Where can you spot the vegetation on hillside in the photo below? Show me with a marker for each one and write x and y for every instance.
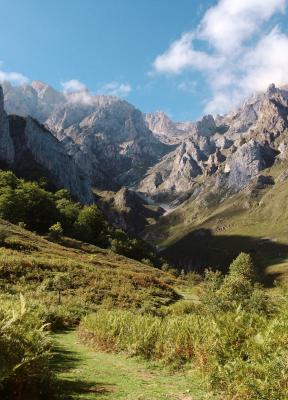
(56, 214)
(233, 334)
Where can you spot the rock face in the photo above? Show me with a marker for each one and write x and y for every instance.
(37, 99)
(177, 171)
(247, 162)
(165, 129)
(31, 151)
(6, 144)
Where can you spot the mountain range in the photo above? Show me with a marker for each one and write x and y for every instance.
(144, 170)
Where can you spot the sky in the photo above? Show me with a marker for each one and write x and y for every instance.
(184, 57)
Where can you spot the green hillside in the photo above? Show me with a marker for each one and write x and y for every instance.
(31, 265)
(198, 235)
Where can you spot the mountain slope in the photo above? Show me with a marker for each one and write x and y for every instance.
(208, 231)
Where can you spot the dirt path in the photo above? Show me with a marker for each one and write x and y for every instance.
(84, 374)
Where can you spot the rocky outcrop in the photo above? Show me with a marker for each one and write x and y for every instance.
(176, 132)
(166, 130)
(206, 126)
(127, 210)
(37, 99)
(262, 116)
(232, 150)
(247, 162)
(176, 171)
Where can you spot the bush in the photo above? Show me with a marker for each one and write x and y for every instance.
(55, 231)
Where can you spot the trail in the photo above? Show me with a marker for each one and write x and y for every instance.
(84, 374)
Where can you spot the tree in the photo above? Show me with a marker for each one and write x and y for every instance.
(68, 213)
(89, 224)
(35, 206)
(243, 266)
(8, 179)
(9, 206)
(238, 285)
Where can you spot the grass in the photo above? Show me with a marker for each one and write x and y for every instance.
(97, 277)
(84, 374)
(211, 232)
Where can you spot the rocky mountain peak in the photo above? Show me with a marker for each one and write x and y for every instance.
(47, 94)
(206, 126)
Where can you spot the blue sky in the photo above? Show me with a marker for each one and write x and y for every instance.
(158, 54)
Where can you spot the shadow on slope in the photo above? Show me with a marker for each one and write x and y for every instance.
(201, 249)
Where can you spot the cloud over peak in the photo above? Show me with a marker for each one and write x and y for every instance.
(13, 77)
(114, 88)
(73, 85)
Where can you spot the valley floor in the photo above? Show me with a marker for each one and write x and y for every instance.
(85, 375)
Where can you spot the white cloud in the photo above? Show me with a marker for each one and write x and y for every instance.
(228, 24)
(73, 86)
(115, 89)
(13, 77)
(182, 55)
(242, 56)
(76, 92)
(80, 97)
(267, 62)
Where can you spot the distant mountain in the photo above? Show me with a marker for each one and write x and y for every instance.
(107, 143)
(106, 136)
(233, 149)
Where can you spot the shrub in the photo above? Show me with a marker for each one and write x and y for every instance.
(193, 278)
(55, 231)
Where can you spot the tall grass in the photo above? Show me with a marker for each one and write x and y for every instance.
(244, 354)
(24, 353)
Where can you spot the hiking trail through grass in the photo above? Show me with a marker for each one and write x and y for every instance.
(85, 374)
